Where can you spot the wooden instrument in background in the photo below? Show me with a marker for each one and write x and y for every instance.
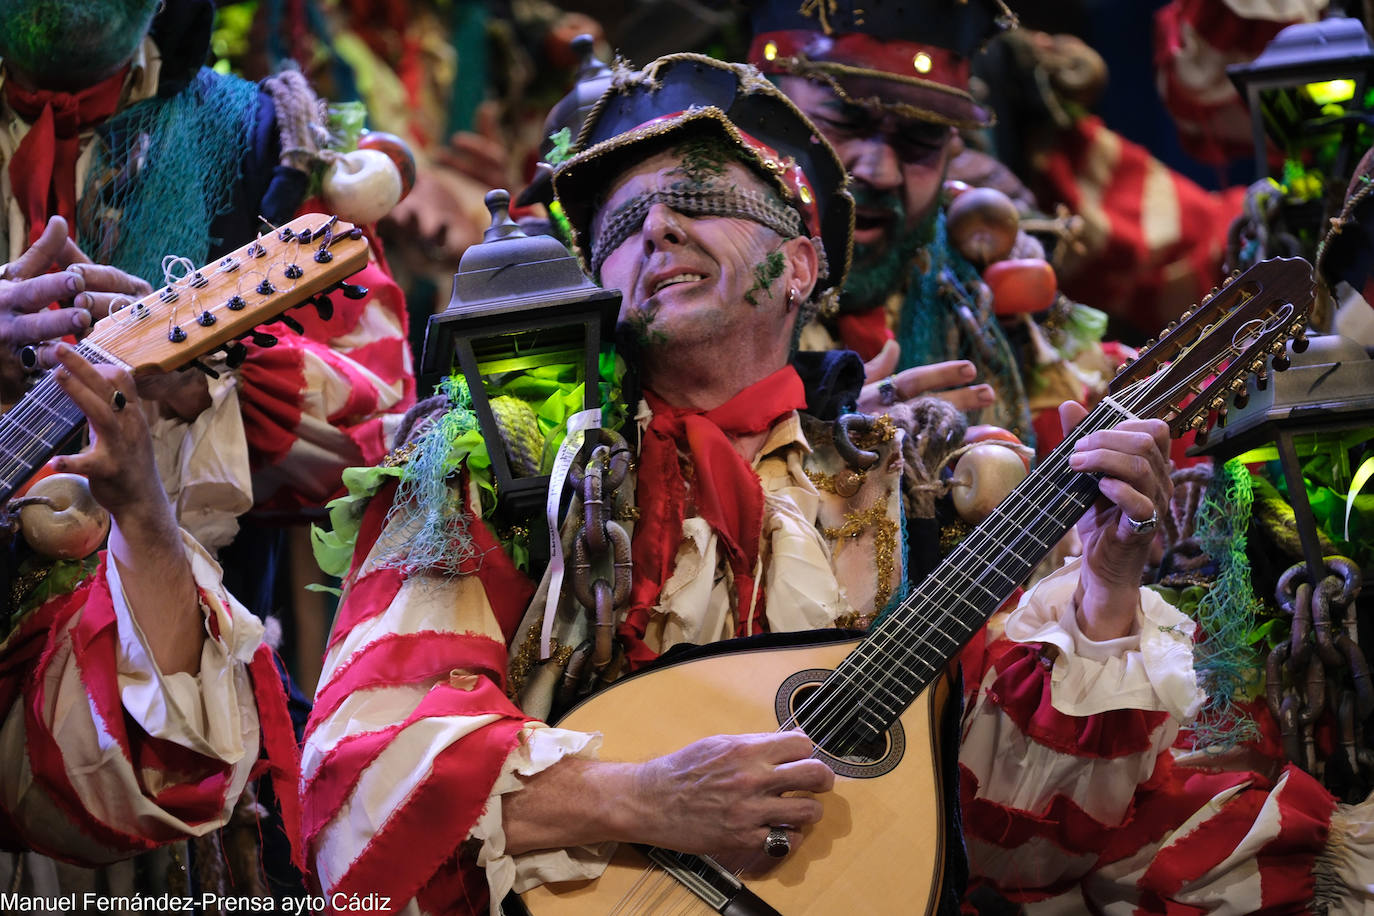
(199, 311)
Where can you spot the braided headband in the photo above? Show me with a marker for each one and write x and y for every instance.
(764, 209)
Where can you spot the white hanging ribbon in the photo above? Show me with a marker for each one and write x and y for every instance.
(578, 424)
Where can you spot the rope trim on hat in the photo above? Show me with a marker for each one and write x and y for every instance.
(828, 72)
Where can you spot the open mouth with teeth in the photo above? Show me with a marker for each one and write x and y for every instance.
(674, 280)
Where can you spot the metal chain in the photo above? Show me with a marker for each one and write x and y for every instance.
(1321, 667)
(600, 572)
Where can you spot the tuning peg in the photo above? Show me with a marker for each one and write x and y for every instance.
(1281, 362)
(261, 338)
(324, 307)
(197, 364)
(1241, 399)
(1221, 417)
(1200, 437)
(1262, 379)
(293, 272)
(291, 323)
(176, 334)
(234, 354)
(1300, 343)
(353, 291)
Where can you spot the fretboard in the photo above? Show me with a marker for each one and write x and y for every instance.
(37, 426)
(909, 648)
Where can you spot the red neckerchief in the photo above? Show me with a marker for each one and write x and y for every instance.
(726, 491)
(43, 169)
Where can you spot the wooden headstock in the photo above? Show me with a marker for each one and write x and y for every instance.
(204, 308)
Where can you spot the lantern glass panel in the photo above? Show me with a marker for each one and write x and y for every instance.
(534, 379)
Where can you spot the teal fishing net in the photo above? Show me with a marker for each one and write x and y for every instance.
(943, 318)
(1227, 660)
(427, 527)
(162, 170)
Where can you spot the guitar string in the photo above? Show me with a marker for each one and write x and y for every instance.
(1050, 485)
(824, 716)
(907, 618)
(834, 712)
(1034, 499)
(831, 717)
(57, 409)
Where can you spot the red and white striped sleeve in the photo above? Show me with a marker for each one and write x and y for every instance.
(329, 398)
(413, 736)
(107, 756)
(1060, 732)
(1154, 239)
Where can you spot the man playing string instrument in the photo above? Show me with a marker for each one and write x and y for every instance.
(129, 686)
(721, 226)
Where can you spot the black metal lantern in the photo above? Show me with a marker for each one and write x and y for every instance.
(1307, 93)
(1323, 403)
(519, 303)
(1320, 409)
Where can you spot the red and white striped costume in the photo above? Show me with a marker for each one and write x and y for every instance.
(327, 399)
(1182, 832)
(1154, 239)
(105, 756)
(413, 740)
(1195, 41)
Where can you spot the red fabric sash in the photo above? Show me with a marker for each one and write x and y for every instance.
(43, 170)
(726, 491)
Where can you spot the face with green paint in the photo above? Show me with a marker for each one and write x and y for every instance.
(689, 280)
(70, 44)
(897, 168)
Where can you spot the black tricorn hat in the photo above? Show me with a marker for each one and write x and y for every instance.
(592, 78)
(685, 96)
(911, 56)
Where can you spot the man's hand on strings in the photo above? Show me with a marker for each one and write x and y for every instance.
(719, 796)
(118, 461)
(949, 381)
(27, 287)
(1118, 530)
(106, 287)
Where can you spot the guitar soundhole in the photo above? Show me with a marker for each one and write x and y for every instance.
(850, 745)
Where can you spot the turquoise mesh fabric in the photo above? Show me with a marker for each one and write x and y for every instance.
(931, 330)
(1227, 661)
(162, 170)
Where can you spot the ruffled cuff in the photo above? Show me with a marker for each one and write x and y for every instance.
(1342, 871)
(540, 748)
(204, 465)
(1150, 670)
(211, 712)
